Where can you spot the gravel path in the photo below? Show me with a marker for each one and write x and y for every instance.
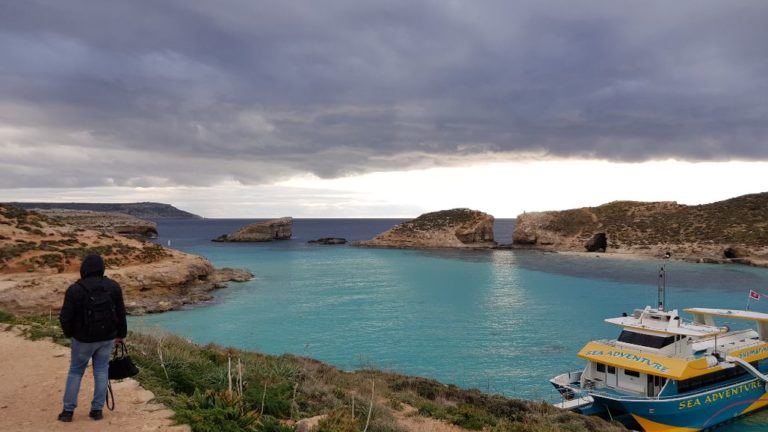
(32, 376)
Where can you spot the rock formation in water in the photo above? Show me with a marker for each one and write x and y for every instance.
(275, 229)
(109, 222)
(40, 257)
(329, 241)
(456, 228)
(734, 230)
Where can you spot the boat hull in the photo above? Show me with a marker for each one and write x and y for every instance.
(693, 412)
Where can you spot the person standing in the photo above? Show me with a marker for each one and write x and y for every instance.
(93, 316)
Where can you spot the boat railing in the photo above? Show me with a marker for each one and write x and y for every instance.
(619, 395)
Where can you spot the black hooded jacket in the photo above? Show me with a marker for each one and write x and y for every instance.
(72, 315)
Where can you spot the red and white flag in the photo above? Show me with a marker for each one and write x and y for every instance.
(754, 295)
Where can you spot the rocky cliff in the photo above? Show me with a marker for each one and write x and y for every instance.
(456, 228)
(109, 222)
(734, 230)
(275, 229)
(40, 257)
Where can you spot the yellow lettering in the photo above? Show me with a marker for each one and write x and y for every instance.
(681, 405)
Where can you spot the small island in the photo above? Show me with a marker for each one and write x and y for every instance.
(456, 228)
(329, 241)
(275, 229)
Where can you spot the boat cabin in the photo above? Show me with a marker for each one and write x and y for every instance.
(656, 347)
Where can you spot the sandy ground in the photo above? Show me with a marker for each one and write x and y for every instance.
(614, 255)
(32, 377)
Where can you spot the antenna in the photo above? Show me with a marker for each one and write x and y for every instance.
(662, 288)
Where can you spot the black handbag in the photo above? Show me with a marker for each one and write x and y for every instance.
(121, 366)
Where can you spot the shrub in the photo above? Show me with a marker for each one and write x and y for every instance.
(339, 420)
(216, 411)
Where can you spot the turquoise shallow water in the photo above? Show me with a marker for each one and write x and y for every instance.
(501, 321)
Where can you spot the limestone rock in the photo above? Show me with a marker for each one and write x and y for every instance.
(275, 229)
(456, 228)
(598, 243)
(329, 241)
(108, 222)
(735, 252)
(228, 274)
(35, 274)
(308, 424)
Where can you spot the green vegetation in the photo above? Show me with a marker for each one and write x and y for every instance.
(193, 381)
(8, 252)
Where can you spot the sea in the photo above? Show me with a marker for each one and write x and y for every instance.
(502, 321)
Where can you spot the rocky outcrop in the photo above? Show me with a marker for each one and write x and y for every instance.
(736, 252)
(108, 222)
(329, 241)
(734, 230)
(457, 228)
(598, 243)
(40, 257)
(276, 229)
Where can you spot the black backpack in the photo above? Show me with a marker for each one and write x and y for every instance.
(100, 316)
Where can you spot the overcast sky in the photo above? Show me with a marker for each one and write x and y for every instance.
(323, 108)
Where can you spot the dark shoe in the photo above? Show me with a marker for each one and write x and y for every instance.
(96, 414)
(66, 416)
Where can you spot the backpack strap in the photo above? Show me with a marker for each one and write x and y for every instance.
(110, 394)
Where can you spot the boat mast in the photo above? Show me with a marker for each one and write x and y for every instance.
(662, 288)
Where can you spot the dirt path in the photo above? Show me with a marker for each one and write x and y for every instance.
(408, 419)
(32, 376)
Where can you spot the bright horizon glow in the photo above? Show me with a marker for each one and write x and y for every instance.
(502, 189)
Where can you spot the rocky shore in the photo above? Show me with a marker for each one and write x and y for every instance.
(40, 258)
(456, 228)
(730, 231)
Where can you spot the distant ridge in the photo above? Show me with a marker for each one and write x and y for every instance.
(143, 210)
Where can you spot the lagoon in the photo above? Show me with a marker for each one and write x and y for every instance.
(504, 321)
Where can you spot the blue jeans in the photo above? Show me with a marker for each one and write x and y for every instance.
(81, 353)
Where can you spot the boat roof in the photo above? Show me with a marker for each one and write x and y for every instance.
(730, 313)
(608, 352)
(684, 329)
(666, 323)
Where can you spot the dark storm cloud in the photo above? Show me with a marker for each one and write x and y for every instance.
(181, 92)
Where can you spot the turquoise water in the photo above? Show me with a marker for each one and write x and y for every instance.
(502, 321)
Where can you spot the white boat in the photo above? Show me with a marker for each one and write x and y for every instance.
(665, 373)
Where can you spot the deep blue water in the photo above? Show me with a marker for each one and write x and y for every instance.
(502, 321)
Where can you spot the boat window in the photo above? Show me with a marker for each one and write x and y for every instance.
(631, 373)
(645, 340)
(600, 367)
(611, 370)
(692, 384)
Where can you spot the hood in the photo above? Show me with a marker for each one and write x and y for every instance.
(92, 265)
